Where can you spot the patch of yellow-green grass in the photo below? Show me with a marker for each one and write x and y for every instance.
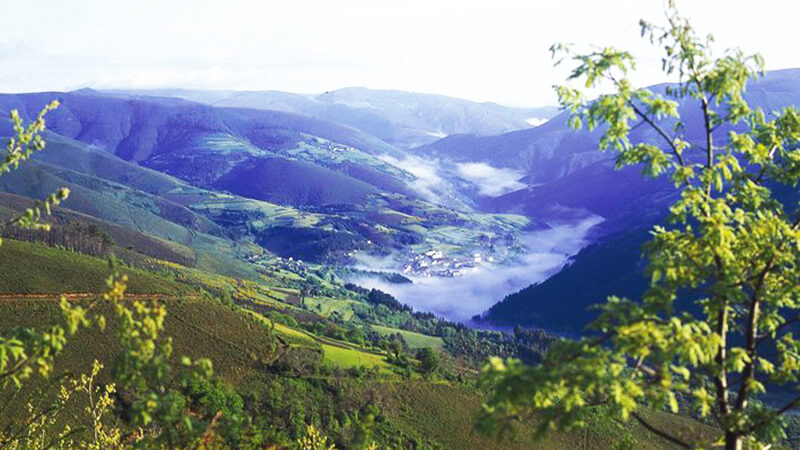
(414, 340)
(288, 290)
(327, 306)
(348, 358)
(295, 334)
(270, 303)
(278, 275)
(336, 354)
(290, 275)
(276, 293)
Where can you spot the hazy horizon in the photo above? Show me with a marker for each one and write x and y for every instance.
(496, 53)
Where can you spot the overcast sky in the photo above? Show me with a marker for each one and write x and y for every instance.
(487, 51)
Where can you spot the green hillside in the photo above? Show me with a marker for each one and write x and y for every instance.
(273, 365)
(126, 241)
(200, 327)
(31, 268)
(447, 413)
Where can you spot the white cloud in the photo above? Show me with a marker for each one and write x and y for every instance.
(491, 181)
(536, 121)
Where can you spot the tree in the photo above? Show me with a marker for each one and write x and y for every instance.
(428, 360)
(716, 325)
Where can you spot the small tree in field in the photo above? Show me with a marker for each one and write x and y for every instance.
(716, 325)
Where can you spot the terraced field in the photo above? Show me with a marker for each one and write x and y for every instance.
(336, 353)
(414, 340)
(349, 358)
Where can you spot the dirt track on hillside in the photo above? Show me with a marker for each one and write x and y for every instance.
(88, 295)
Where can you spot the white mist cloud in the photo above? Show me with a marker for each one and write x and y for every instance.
(368, 262)
(428, 183)
(461, 298)
(491, 181)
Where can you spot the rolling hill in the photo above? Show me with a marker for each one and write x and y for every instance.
(221, 181)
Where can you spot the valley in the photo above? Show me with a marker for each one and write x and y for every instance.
(222, 188)
(363, 225)
(462, 289)
(308, 255)
(247, 186)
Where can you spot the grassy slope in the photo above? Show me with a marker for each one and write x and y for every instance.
(239, 346)
(13, 205)
(108, 200)
(348, 357)
(236, 344)
(80, 157)
(337, 354)
(447, 414)
(30, 268)
(200, 328)
(414, 340)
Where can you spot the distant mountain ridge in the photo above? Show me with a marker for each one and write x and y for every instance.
(404, 119)
(565, 169)
(192, 141)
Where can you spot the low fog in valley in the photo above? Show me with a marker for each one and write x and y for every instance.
(462, 297)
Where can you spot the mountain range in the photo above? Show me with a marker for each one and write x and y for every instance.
(403, 119)
(432, 184)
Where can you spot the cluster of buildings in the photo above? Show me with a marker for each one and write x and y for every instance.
(278, 263)
(433, 263)
(290, 264)
(332, 146)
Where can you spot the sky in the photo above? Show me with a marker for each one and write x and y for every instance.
(484, 51)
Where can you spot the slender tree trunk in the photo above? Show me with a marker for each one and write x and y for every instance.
(733, 441)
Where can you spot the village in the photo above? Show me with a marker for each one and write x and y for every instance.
(433, 263)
